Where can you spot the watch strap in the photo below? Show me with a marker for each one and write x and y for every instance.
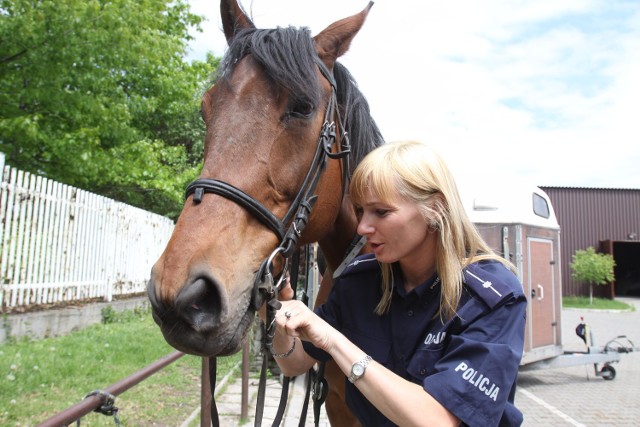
(363, 363)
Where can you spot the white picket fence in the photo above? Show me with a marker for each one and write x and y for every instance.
(59, 243)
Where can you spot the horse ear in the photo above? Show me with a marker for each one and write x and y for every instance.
(334, 40)
(233, 18)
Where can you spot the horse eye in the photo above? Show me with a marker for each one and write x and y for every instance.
(302, 110)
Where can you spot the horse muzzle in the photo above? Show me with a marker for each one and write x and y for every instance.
(202, 319)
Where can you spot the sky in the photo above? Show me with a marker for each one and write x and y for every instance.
(543, 92)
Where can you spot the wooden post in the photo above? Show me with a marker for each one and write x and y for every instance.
(244, 406)
(205, 395)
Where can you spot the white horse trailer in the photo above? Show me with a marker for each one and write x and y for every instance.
(519, 223)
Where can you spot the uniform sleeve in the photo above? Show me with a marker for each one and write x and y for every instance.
(474, 377)
(346, 288)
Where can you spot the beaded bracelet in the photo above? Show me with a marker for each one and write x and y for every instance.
(287, 353)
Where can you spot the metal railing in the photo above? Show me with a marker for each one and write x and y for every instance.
(96, 400)
(104, 398)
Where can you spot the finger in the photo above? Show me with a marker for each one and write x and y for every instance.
(286, 293)
(290, 305)
(291, 327)
(290, 310)
(285, 313)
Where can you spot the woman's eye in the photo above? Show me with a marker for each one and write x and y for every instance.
(382, 212)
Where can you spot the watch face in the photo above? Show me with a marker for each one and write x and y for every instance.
(358, 369)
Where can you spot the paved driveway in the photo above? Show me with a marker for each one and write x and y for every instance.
(571, 396)
(574, 396)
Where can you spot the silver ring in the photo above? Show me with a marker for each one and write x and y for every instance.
(287, 314)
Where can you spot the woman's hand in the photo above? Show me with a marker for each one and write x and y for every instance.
(286, 293)
(295, 319)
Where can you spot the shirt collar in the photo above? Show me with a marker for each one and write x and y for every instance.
(432, 284)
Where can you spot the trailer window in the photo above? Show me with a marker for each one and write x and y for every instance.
(540, 206)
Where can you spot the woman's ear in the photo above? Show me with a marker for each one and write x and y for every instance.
(436, 211)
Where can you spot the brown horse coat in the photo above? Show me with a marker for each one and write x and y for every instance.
(263, 119)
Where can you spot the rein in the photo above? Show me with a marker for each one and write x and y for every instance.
(288, 230)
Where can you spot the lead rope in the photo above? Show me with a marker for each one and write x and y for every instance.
(315, 383)
(319, 384)
(272, 306)
(293, 277)
(305, 299)
(320, 391)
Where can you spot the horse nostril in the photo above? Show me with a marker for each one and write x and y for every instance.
(199, 305)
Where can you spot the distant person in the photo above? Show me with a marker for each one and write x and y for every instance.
(429, 328)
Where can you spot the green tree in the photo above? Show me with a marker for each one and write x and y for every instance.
(97, 94)
(592, 268)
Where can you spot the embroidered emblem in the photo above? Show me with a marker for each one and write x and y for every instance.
(479, 381)
(485, 284)
(435, 338)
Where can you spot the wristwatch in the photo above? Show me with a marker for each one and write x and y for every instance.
(358, 368)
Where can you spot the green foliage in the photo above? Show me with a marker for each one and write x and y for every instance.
(109, 315)
(97, 94)
(591, 267)
(595, 304)
(43, 377)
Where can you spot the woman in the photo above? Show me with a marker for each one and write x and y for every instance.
(429, 329)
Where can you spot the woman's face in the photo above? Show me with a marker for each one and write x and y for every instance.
(395, 231)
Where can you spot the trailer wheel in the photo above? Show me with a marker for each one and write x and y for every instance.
(608, 372)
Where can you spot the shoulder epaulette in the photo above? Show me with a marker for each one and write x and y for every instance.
(361, 263)
(491, 288)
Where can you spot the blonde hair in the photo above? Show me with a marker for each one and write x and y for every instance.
(416, 172)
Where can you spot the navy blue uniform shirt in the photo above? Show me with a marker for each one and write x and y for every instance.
(469, 364)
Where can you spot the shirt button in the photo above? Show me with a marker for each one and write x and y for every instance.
(423, 371)
(410, 313)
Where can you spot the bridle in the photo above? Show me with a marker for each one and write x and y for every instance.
(289, 228)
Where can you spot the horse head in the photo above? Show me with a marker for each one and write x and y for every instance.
(273, 178)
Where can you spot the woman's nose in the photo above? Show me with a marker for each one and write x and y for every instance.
(364, 227)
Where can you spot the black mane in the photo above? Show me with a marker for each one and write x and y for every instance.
(288, 57)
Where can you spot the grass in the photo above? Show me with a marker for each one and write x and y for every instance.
(598, 303)
(39, 378)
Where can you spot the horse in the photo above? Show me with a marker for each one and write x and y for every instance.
(286, 124)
